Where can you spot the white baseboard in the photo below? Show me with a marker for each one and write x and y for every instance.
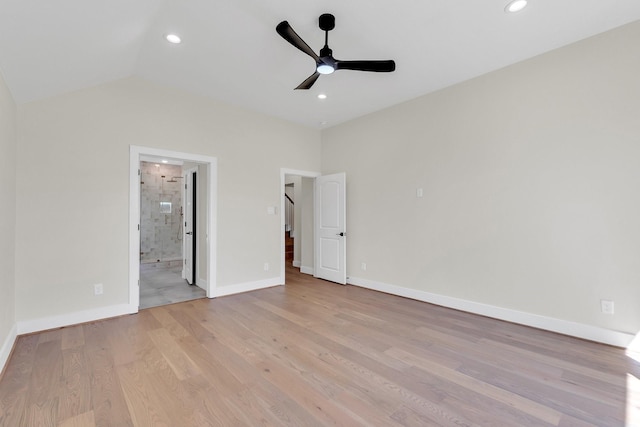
(44, 323)
(578, 330)
(307, 270)
(7, 346)
(296, 263)
(246, 287)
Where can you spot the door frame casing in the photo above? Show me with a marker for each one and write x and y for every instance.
(283, 173)
(135, 153)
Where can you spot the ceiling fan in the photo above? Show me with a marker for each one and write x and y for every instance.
(325, 62)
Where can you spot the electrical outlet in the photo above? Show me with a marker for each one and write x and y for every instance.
(606, 306)
(419, 192)
(266, 266)
(363, 266)
(97, 289)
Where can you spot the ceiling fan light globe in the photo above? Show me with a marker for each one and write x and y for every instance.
(325, 69)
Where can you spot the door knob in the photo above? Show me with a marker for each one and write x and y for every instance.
(189, 233)
(341, 234)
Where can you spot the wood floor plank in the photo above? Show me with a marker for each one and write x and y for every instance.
(145, 407)
(179, 398)
(44, 382)
(409, 417)
(212, 369)
(164, 317)
(181, 313)
(72, 336)
(516, 401)
(180, 362)
(107, 398)
(581, 407)
(15, 381)
(75, 395)
(284, 408)
(85, 419)
(633, 400)
(41, 414)
(313, 353)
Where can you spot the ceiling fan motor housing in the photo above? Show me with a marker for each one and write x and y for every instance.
(327, 22)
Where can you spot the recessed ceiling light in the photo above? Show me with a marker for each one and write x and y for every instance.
(322, 96)
(172, 38)
(515, 6)
(165, 161)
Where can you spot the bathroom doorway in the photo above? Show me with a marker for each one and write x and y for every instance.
(167, 233)
(163, 210)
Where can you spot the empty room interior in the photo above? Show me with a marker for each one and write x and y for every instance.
(372, 213)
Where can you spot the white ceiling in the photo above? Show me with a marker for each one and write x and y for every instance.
(231, 51)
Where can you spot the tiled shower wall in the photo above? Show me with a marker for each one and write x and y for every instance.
(160, 231)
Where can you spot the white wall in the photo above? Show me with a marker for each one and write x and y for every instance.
(7, 220)
(531, 185)
(73, 152)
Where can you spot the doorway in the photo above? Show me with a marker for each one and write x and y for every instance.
(172, 275)
(319, 224)
(167, 247)
(297, 221)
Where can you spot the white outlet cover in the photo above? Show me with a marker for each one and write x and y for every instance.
(607, 306)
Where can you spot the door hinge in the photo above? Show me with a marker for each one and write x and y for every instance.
(139, 172)
(138, 227)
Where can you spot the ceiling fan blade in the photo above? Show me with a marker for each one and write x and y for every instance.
(309, 81)
(287, 33)
(375, 66)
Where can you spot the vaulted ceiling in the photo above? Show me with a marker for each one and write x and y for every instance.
(232, 53)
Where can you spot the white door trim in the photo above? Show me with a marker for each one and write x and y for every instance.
(135, 152)
(283, 173)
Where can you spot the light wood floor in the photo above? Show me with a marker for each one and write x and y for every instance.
(313, 353)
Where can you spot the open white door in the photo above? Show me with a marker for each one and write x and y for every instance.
(189, 226)
(330, 228)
